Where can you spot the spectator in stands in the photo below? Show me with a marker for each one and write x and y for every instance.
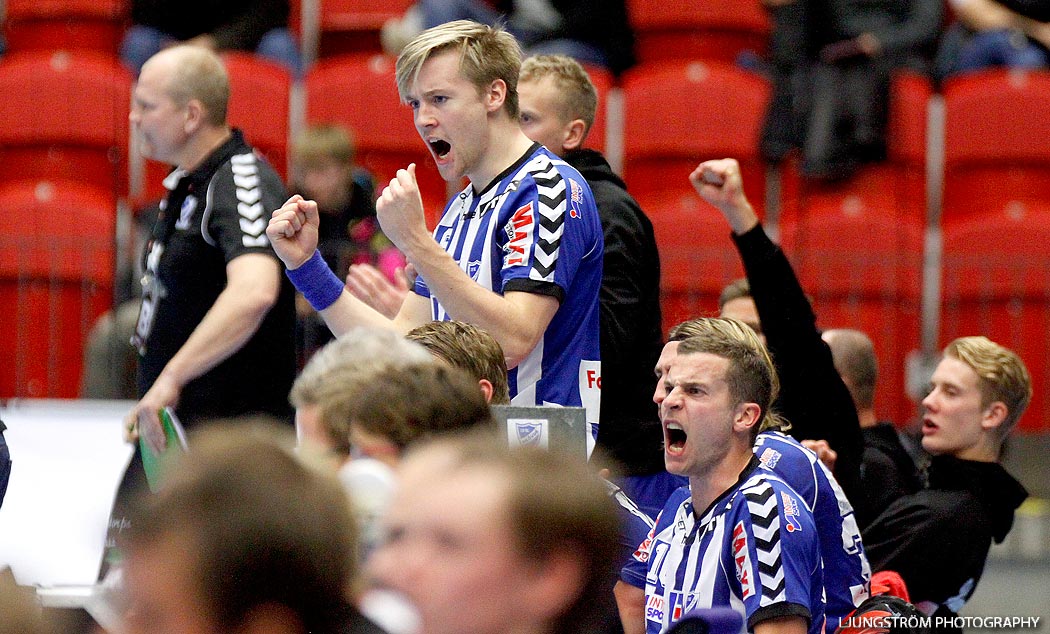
(558, 105)
(243, 537)
(847, 574)
(537, 299)
(850, 87)
(233, 25)
(215, 333)
(987, 34)
(938, 538)
(795, 39)
(714, 544)
(813, 397)
(482, 538)
(471, 349)
(887, 471)
(595, 32)
(323, 170)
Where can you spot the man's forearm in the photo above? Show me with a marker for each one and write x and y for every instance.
(517, 328)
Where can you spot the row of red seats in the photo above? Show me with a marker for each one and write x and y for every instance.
(858, 245)
(713, 29)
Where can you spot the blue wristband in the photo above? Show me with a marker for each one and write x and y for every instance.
(316, 282)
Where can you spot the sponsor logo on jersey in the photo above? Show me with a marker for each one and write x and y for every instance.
(189, 205)
(654, 608)
(742, 558)
(575, 199)
(519, 232)
(642, 554)
(770, 457)
(791, 513)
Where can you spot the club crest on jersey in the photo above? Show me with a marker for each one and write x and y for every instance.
(770, 457)
(791, 513)
(575, 199)
(742, 559)
(189, 205)
(519, 235)
(472, 269)
(680, 603)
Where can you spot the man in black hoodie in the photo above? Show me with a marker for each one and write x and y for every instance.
(558, 103)
(938, 538)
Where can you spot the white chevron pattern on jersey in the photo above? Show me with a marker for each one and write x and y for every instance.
(765, 525)
(249, 200)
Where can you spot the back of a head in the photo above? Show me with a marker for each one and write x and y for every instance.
(1002, 376)
(751, 376)
(579, 98)
(854, 357)
(487, 53)
(261, 528)
(197, 73)
(734, 290)
(469, 348)
(557, 507)
(411, 403)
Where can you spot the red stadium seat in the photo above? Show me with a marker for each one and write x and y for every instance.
(897, 185)
(56, 278)
(996, 128)
(50, 25)
(697, 256)
(352, 26)
(997, 283)
(861, 266)
(678, 114)
(259, 106)
(360, 93)
(711, 30)
(65, 116)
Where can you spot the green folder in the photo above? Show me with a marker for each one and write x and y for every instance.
(155, 464)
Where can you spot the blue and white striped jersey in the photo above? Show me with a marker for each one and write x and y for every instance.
(535, 228)
(847, 575)
(754, 549)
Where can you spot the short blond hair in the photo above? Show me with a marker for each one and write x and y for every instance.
(1002, 376)
(752, 377)
(486, 53)
(341, 367)
(469, 348)
(579, 98)
(321, 142)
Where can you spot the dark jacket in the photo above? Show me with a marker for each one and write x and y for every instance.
(938, 538)
(235, 24)
(631, 331)
(813, 397)
(887, 472)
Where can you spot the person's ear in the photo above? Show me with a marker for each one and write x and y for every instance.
(554, 584)
(195, 116)
(994, 415)
(486, 389)
(746, 416)
(575, 132)
(495, 95)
